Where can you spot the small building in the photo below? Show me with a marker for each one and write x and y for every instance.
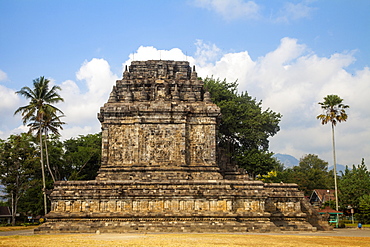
(331, 214)
(320, 196)
(5, 215)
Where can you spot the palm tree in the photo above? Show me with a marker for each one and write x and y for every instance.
(334, 112)
(38, 110)
(50, 123)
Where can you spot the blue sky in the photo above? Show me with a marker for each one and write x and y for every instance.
(289, 54)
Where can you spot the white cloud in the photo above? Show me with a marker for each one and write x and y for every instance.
(206, 53)
(75, 130)
(9, 100)
(144, 53)
(233, 66)
(80, 107)
(290, 80)
(3, 76)
(10, 124)
(5, 132)
(231, 9)
(19, 129)
(299, 10)
(9, 103)
(295, 11)
(97, 75)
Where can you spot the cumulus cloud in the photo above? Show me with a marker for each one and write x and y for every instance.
(9, 100)
(10, 124)
(81, 107)
(231, 9)
(206, 53)
(290, 80)
(150, 53)
(9, 103)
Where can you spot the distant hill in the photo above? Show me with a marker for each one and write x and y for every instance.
(289, 161)
(340, 168)
(286, 159)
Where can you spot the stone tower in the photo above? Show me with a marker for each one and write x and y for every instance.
(159, 124)
(159, 170)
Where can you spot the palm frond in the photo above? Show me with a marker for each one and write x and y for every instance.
(40, 110)
(334, 110)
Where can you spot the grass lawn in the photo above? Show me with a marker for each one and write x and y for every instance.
(355, 225)
(193, 240)
(16, 228)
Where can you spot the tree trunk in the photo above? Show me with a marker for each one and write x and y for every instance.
(43, 173)
(13, 208)
(47, 158)
(335, 172)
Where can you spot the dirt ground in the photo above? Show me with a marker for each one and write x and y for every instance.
(348, 237)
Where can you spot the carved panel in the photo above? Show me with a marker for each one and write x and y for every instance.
(94, 206)
(103, 206)
(68, 206)
(135, 205)
(288, 207)
(161, 143)
(202, 144)
(122, 141)
(111, 206)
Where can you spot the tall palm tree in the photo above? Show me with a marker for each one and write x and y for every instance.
(50, 123)
(334, 112)
(38, 110)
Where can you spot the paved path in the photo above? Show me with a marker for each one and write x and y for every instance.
(343, 232)
(19, 232)
(346, 232)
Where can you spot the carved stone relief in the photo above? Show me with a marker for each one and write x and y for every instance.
(201, 145)
(161, 143)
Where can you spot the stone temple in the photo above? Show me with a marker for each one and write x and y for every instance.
(160, 171)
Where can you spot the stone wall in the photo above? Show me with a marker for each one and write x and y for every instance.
(220, 205)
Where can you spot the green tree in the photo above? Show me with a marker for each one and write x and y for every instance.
(32, 202)
(38, 111)
(17, 167)
(364, 209)
(275, 175)
(244, 128)
(56, 156)
(83, 156)
(311, 173)
(334, 112)
(353, 184)
(279, 174)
